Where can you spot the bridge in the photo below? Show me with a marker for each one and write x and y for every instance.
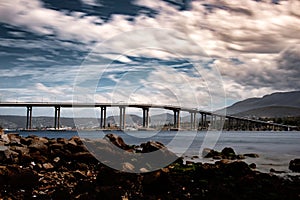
(207, 121)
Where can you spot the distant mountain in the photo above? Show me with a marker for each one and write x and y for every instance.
(281, 104)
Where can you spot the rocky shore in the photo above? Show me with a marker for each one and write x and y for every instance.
(43, 168)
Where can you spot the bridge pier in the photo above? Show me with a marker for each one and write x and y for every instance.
(203, 125)
(145, 117)
(122, 117)
(193, 120)
(213, 121)
(57, 117)
(176, 118)
(29, 118)
(103, 117)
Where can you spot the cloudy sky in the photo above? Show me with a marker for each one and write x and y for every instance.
(200, 54)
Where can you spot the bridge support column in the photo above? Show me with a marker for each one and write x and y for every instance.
(205, 122)
(193, 120)
(213, 119)
(29, 118)
(122, 117)
(176, 119)
(146, 117)
(57, 117)
(103, 117)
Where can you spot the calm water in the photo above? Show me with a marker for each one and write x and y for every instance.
(276, 149)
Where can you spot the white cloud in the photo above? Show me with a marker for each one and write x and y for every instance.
(255, 33)
(91, 2)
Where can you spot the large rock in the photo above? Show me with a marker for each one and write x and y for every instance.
(39, 144)
(295, 165)
(117, 141)
(151, 146)
(210, 153)
(228, 153)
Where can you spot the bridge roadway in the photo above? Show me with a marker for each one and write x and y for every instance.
(232, 122)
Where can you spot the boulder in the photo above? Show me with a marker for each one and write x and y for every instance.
(228, 153)
(237, 169)
(295, 165)
(251, 155)
(151, 146)
(210, 153)
(117, 141)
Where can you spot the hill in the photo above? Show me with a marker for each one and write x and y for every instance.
(281, 104)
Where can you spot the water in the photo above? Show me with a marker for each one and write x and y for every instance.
(275, 149)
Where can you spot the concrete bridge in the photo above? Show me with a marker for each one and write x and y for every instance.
(208, 120)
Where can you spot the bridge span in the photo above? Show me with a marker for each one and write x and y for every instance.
(207, 121)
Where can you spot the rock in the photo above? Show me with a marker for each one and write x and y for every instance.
(294, 165)
(228, 152)
(48, 166)
(218, 157)
(26, 141)
(210, 153)
(151, 146)
(38, 144)
(276, 171)
(20, 150)
(237, 168)
(251, 155)
(62, 140)
(14, 138)
(56, 159)
(5, 138)
(240, 157)
(117, 141)
(252, 166)
(17, 177)
(3, 153)
(128, 167)
(76, 139)
(79, 174)
(156, 182)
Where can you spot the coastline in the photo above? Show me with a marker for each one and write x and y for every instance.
(36, 167)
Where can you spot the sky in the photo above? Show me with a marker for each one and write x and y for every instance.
(197, 54)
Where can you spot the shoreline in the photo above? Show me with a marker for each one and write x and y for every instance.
(36, 167)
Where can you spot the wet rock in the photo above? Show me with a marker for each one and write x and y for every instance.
(237, 168)
(251, 155)
(240, 157)
(210, 153)
(294, 165)
(252, 166)
(117, 141)
(151, 146)
(276, 171)
(228, 152)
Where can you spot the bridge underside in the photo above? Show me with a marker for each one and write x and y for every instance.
(199, 120)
